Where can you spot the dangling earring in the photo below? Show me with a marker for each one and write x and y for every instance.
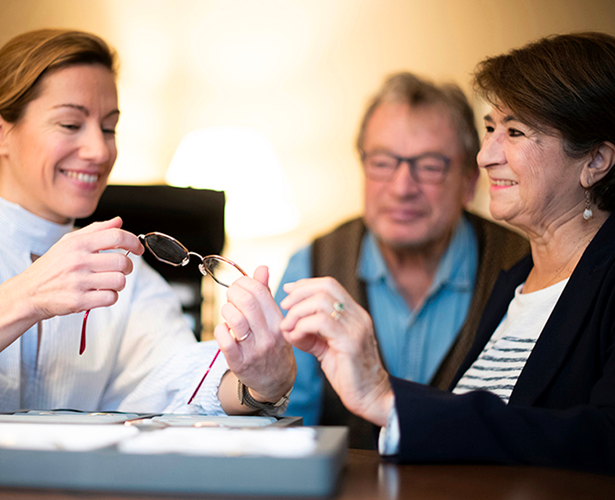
(587, 213)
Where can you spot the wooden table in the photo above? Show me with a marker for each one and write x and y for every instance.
(368, 477)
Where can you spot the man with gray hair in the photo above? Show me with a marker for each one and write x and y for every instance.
(416, 260)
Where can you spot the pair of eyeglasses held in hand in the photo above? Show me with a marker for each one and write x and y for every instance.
(170, 251)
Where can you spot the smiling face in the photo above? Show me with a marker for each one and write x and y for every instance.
(402, 213)
(55, 161)
(533, 182)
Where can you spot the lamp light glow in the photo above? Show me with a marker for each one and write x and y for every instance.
(243, 164)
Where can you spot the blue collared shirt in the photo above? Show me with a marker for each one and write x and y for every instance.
(413, 343)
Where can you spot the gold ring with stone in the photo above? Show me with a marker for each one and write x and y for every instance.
(338, 310)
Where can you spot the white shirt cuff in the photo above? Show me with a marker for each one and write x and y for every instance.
(388, 439)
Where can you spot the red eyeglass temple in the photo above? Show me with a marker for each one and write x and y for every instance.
(82, 346)
(82, 349)
(85, 320)
(203, 379)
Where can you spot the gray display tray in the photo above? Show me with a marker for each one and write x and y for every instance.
(108, 469)
(114, 418)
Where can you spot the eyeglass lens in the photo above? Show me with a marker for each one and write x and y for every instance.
(165, 248)
(222, 271)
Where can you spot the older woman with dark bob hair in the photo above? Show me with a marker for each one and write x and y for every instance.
(538, 385)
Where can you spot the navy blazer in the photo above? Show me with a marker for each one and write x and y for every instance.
(562, 410)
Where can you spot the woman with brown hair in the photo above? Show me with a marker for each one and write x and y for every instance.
(58, 114)
(538, 385)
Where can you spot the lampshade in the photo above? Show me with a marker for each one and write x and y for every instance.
(243, 164)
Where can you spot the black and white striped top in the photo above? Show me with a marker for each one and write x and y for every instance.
(499, 365)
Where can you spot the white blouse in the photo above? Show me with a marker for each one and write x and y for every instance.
(140, 356)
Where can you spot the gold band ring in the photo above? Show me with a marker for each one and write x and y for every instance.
(240, 339)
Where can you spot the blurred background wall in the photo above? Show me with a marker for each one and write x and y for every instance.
(295, 73)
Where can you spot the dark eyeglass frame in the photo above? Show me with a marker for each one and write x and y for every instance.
(412, 164)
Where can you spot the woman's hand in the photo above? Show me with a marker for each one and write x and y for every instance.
(343, 342)
(73, 276)
(263, 360)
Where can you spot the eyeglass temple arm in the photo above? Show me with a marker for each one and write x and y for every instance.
(83, 326)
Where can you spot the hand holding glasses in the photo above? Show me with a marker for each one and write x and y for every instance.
(170, 251)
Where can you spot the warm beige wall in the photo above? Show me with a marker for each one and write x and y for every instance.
(298, 71)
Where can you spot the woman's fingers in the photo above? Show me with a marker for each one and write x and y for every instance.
(302, 289)
(244, 311)
(97, 226)
(107, 262)
(245, 316)
(263, 360)
(326, 322)
(226, 343)
(106, 235)
(115, 281)
(255, 301)
(78, 273)
(317, 296)
(262, 275)
(236, 327)
(307, 336)
(311, 328)
(97, 298)
(321, 303)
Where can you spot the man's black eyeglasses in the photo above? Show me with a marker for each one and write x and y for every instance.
(428, 168)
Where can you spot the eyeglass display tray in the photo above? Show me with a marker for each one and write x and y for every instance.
(314, 474)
